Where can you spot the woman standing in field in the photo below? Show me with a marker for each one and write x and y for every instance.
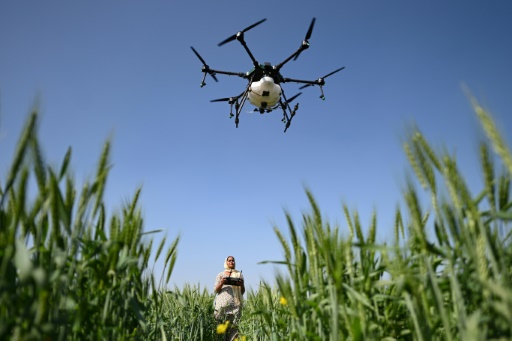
(229, 287)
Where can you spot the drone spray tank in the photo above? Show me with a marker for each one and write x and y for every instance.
(264, 93)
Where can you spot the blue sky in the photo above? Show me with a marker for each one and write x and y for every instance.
(124, 70)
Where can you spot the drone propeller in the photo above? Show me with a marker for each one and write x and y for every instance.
(305, 43)
(292, 98)
(206, 68)
(234, 36)
(286, 105)
(320, 81)
(233, 101)
(227, 99)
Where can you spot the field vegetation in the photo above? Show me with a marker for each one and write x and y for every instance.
(70, 270)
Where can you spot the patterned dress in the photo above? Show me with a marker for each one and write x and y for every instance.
(227, 306)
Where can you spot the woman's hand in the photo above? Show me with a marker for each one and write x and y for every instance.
(221, 284)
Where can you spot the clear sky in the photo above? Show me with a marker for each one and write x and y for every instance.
(125, 70)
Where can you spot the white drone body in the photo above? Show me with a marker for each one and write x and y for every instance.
(264, 94)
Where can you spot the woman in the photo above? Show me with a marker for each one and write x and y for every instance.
(229, 287)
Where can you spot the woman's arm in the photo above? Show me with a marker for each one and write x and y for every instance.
(219, 284)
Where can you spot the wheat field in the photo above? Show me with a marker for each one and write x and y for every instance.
(69, 270)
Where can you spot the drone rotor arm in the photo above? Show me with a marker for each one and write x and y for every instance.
(307, 83)
(292, 80)
(302, 47)
(229, 73)
(240, 37)
(294, 55)
(320, 81)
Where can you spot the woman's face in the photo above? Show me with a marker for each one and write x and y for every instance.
(231, 262)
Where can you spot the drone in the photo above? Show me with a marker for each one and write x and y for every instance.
(264, 89)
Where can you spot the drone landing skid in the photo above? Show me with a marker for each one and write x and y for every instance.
(239, 102)
(288, 114)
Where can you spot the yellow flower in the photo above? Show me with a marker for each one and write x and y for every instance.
(221, 328)
(241, 339)
(283, 301)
